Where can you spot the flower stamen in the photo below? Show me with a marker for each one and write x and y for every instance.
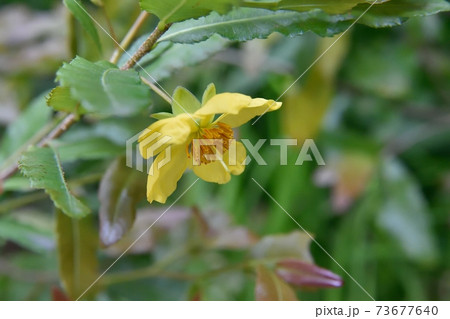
(207, 143)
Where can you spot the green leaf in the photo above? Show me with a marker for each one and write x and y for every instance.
(178, 56)
(293, 245)
(26, 235)
(20, 133)
(405, 215)
(184, 101)
(43, 168)
(60, 99)
(395, 12)
(270, 287)
(328, 6)
(77, 252)
(102, 88)
(87, 149)
(120, 190)
(82, 15)
(244, 24)
(177, 10)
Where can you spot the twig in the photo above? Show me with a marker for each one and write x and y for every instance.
(157, 90)
(129, 37)
(146, 47)
(68, 121)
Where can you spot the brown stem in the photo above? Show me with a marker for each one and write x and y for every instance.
(146, 47)
(68, 121)
(129, 37)
(157, 90)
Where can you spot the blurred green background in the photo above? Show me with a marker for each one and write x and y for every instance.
(377, 106)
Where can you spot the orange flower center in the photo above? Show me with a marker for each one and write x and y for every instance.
(212, 141)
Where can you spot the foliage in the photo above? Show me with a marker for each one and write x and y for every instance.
(367, 81)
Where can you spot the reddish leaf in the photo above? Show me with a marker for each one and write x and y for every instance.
(303, 274)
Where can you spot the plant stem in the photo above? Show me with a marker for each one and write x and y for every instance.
(157, 90)
(129, 37)
(72, 43)
(67, 122)
(146, 47)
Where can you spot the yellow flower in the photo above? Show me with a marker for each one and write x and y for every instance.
(178, 139)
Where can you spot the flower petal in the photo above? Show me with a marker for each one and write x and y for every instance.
(220, 171)
(236, 108)
(171, 131)
(165, 173)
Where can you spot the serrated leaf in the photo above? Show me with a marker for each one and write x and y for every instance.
(77, 252)
(244, 24)
(102, 88)
(120, 190)
(81, 14)
(177, 10)
(182, 55)
(19, 133)
(60, 99)
(328, 6)
(270, 287)
(395, 12)
(43, 168)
